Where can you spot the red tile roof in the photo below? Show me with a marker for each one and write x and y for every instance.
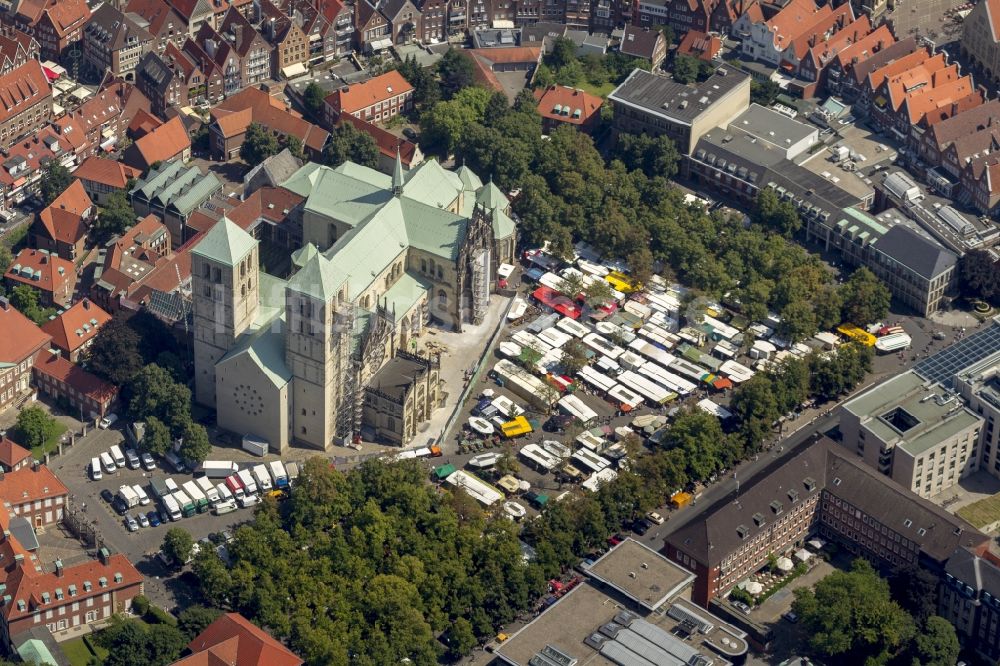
(22, 338)
(65, 219)
(54, 272)
(267, 203)
(75, 327)
(68, 15)
(22, 88)
(387, 142)
(879, 39)
(572, 99)
(106, 172)
(235, 641)
(269, 112)
(993, 12)
(62, 370)
(163, 143)
(795, 18)
(31, 483)
(362, 95)
(699, 45)
(142, 124)
(11, 453)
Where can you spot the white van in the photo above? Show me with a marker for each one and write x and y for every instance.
(119, 457)
(143, 497)
(224, 507)
(108, 463)
(95, 469)
(171, 485)
(132, 459)
(224, 493)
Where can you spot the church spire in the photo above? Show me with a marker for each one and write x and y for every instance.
(397, 176)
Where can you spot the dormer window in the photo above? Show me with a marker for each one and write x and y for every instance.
(776, 507)
(742, 531)
(793, 496)
(758, 519)
(810, 484)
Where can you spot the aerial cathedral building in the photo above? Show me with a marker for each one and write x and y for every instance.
(313, 359)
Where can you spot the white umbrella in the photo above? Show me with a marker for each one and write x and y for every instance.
(816, 543)
(802, 554)
(753, 587)
(487, 393)
(785, 564)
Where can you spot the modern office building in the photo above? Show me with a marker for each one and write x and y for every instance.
(913, 431)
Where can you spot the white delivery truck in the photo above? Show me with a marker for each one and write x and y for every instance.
(192, 490)
(128, 496)
(224, 492)
(292, 469)
(208, 488)
(171, 485)
(141, 494)
(262, 478)
(108, 463)
(249, 485)
(278, 474)
(219, 469)
(173, 509)
(117, 455)
(95, 469)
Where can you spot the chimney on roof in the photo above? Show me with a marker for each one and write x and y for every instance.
(86, 304)
(59, 568)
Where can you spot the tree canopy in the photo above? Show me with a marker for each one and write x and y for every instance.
(178, 545)
(348, 144)
(35, 426)
(25, 298)
(866, 298)
(115, 217)
(55, 179)
(258, 144)
(979, 276)
(456, 72)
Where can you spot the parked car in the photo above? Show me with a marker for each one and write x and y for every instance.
(654, 518)
(148, 463)
(107, 496)
(131, 524)
(108, 421)
(154, 519)
(615, 539)
(409, 134)
(641, 526)
(739, 605)
(791, 617)
(119, 506)
(143, 520)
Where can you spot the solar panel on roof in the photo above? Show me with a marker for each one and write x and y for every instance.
(943, 366)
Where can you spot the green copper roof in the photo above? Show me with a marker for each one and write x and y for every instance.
(470, 181)
(365, 175)
(503, 226)
(341, 196)
(302, 181)
(409, 288)
(432, 184)
(317, 278)
(201, 189)
(304, 254)
(225, 243)
(432, 229)
(491, 197)
(265, 348)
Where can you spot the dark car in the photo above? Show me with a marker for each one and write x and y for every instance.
(107, 496)
(409, 134)
(641, 526)
(154, 518)
(119, 506)
(558, 423)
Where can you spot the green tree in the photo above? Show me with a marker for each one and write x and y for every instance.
(529, 357)
(915, 589)
(563, 53)
(764, 92)
(574, 357)
(132, 643)
(178, 545)
(259, 144)
(850, 617)
(313, 99)
(156, 438)
(35, 426)
(25, 299)
(937, 644)
(461, 638)
(194, 619)
(293, 144)
(755, 405)
(798, 321)
(654, 156)
(443, 126)
(686, 69)
(115, 217)
(598, 293)
(114, 353)
(55, 179)
(699, 435)
(866, 298)
(6, 258)
(978, 276)
(455, 70)
(348, 144)
(772, 212)
(155, 393)
(195, 445)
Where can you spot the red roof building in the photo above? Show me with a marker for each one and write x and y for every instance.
(233, 640)
(162, 143)
(53, 277)
(130, 260)
(388, 144)
(36, 493)
(89, 395)
(101, 177)
(99, 123)
(562, 105)
(232, 117)
(13, 456)
(487, 63)
(25, 102)
(74, 330)
(22, 341)
(63, 226)
(699, 45)
(375, 100)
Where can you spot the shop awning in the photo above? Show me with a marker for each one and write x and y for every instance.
(50, 75)
(294, 70)
(380, 44)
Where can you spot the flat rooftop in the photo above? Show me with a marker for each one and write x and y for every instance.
(913, 413)
(663, 96)
(967, 352)
(598, 628)
(851, 182)
(772, 127)
(641, 574)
